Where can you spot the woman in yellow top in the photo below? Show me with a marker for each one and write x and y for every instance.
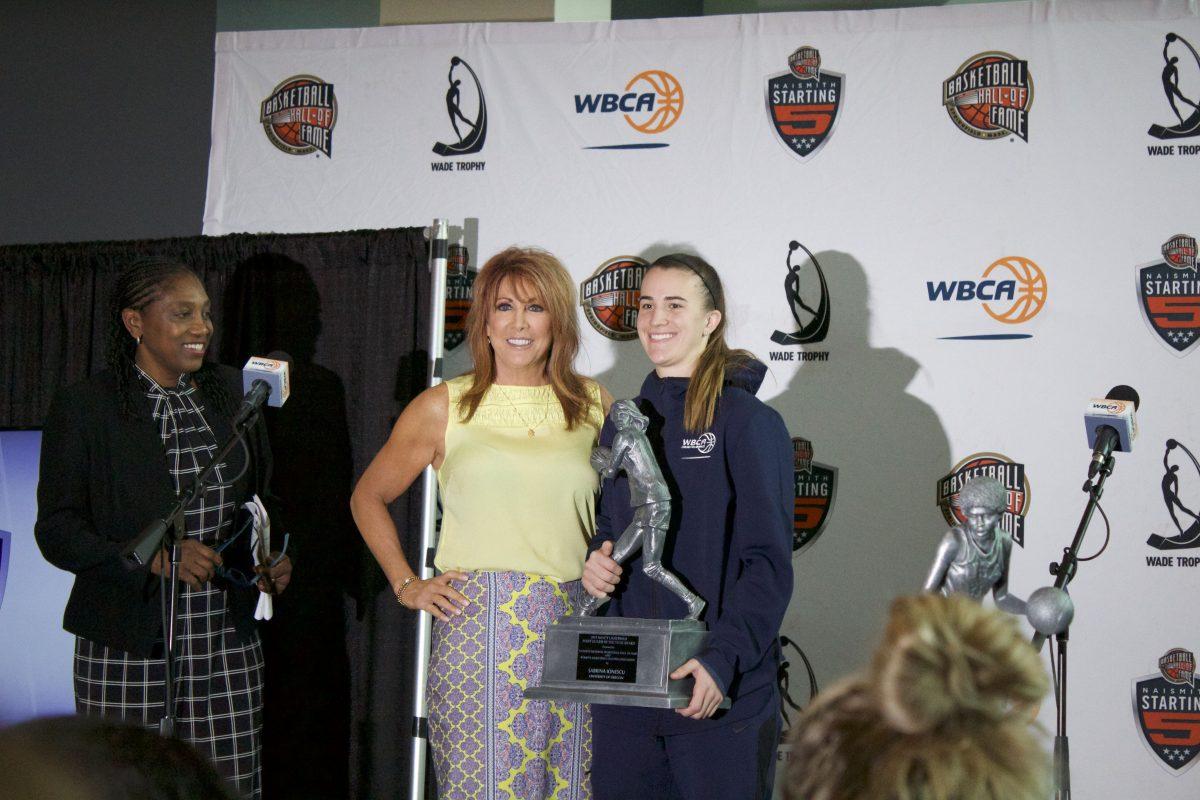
(510, 441)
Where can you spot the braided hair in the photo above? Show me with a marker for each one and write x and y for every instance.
(137, 287)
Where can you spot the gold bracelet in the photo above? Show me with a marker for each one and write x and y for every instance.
(403, 586)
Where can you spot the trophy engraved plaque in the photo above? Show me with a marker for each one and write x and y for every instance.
(606, 657)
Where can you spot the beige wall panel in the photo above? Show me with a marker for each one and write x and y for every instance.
(418, 12)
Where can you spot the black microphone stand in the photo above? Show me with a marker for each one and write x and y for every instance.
(1064, 572)
(171, 527)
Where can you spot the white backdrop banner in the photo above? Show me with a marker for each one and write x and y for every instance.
(944, 229)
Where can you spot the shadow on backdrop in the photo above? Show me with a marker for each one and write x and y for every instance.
(889, 447)
(306, 731)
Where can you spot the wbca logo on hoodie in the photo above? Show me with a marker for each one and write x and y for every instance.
(699, 446)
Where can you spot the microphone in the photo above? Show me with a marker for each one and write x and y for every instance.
(264, 380)
(1110, 425)
(145, 545)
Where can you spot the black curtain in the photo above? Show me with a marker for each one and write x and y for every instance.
(352, 311)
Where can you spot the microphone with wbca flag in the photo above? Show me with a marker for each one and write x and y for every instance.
(264, 379)
(1110, 425)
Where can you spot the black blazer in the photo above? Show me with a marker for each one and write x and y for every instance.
(104, 477)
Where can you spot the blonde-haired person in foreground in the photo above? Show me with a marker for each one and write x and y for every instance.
(944, 713)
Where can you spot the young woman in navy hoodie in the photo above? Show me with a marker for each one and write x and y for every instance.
(727, 459)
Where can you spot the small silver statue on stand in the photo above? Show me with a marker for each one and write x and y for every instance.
(973, 558)
(650, 498)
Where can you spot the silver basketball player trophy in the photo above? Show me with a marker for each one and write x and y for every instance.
(651, 501)
(625, 660)
(973, 557)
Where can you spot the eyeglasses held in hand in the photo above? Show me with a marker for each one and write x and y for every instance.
(236, 576)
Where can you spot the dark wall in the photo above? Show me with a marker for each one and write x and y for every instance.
(105, 132)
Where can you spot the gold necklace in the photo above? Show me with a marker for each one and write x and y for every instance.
(529, 428)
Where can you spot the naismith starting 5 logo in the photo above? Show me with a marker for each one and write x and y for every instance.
(1166, 706)
(1169, 290)
(1012, 290)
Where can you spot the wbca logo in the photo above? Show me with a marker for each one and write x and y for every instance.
(651, 103)
(703, 444)
(1013, 290)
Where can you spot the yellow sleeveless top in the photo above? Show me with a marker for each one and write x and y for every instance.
(511, 501)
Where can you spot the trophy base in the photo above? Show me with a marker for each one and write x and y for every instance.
(619, 661)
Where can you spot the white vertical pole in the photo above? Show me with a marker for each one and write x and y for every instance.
(439, 235)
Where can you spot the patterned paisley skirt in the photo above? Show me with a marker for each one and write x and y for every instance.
(487, 741)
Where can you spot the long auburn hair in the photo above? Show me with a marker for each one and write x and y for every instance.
(542, 275)
(708, 379)
(139, 285)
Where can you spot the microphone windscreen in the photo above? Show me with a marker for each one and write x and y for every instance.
(1126, 393)
(273, 370)
(1114, 413)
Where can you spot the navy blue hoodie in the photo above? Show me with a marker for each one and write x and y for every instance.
(729, 540)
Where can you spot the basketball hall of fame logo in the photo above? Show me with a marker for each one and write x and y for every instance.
(460, 282)
(803, 103)
(651, 103)
(989, 95)
(466, 108)
(1169, 295)
(299, 115)
(1011, 475)
(807, 296)
(1180, 486)
(1013, 290)
(816, 488)
(1166, 706)
(1178, 57)
(610, 297)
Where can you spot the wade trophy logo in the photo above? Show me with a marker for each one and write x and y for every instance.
(803, 103)
(989, 96)
(816, 488)
(1169, 291)
(470, 130)
(1011, 475)
(812, 321)
(1186, 535)
(460, 282)
(1166, 706)
(1185, 109)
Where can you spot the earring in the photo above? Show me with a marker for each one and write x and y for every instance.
(138, 341)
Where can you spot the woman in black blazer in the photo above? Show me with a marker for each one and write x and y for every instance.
(116, 449)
